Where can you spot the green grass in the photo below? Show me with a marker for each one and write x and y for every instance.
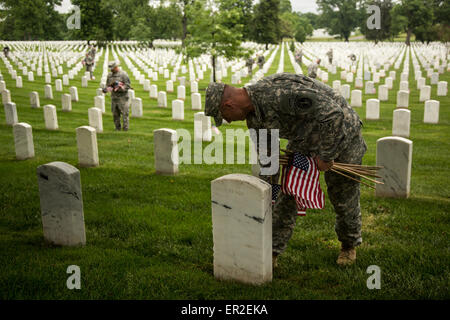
(150, 237)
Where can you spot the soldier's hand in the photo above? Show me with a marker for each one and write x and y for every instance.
(323, 165)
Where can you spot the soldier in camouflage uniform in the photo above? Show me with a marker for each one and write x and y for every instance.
(318, 123)
(118, 83)
(249, 64)
(330, 56)
(312, 69)
(261, 61)
(89, 63)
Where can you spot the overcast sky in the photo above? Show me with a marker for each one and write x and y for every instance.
(297, 5)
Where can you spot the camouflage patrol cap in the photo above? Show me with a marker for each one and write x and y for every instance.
(213, 99)
(113, 64)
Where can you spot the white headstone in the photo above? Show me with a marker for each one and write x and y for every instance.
(58, 85)
(169, 86)
(420, 83)
(34, 100)
(389, 83)
(359, 83)
(178, 110)
(99, 102)
(147, 85)
(401, 123)
(154, 91)
(383, 93)
(337, 85)
(31, 76)
(61, 204)
(23, 141)
(345, 91)
(370, 87)
(373, 109)
(87, 147)
(10, 113)
(181, 92)
(84, 82)
(196, 101)
(66, 100)
(48, 92)
(194, 87)
(242, 229)
(166, 151)
(431, 114)
(202, 127)
(404, 85)
(425, 93)
(6, 96)
(19, 82)
(435, 78)
(395, 155)
(50, 117)
(402, 99)
(356, 100)
(65, 80)
(162, 99)
(95, 119)
(442, 89)
(74, 93)
(136, 108)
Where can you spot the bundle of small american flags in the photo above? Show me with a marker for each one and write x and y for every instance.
(300, 179)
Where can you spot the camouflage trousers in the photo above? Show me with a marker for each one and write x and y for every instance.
(120, 107)
(344, 194)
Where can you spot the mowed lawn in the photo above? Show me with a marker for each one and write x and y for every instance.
(150, 236)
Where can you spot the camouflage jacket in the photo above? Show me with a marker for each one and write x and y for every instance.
(261, 60)
(311, 115)
(120, 76)
(89, 60)
(249, 62)
(312, 70)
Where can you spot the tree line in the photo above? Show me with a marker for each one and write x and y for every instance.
(267, 21)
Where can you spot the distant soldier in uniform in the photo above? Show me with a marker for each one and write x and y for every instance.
(318, 123)
(330, 55)
(6, 51)
(312, 69)
(89, 61)
(249, 64)
(261, 61)
(299, 56)
(118, 83)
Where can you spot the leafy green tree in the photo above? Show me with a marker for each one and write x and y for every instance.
(157, 23)
(340, 17)
(30, 20)
(303, 29)
(438, 28)
(313, 19)
(214, 30)
(418, 14)
(266, 22)
(285, 6)
(386, 20)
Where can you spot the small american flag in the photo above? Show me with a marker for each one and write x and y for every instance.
(301, 180)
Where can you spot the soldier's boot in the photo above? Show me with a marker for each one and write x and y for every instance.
(346, 257)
